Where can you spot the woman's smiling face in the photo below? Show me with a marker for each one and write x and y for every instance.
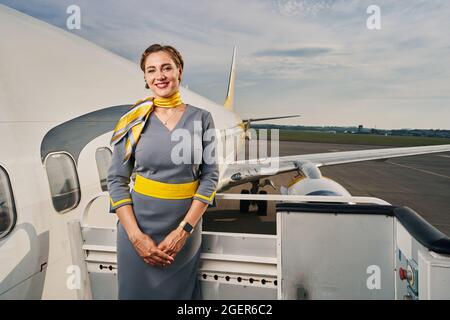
(162, 74)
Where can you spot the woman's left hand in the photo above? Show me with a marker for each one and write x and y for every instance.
(173, 242)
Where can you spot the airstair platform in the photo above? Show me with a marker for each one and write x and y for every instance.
(323, 248)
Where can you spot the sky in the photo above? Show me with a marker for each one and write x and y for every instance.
(317, 58)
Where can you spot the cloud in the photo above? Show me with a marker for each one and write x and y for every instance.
(303, 7)
(299, 52)
(313, 53)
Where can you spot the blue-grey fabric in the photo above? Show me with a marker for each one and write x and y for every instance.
(158, 217)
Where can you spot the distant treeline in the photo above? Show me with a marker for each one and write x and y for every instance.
(432, 133)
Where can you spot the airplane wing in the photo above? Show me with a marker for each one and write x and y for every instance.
(240, 172)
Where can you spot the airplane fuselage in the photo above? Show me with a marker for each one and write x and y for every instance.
(58, 107)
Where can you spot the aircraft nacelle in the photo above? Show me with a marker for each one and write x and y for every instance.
(320, 187)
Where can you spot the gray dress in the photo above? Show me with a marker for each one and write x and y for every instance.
(158, 217)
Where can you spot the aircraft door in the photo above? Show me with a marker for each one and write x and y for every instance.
(22, 267)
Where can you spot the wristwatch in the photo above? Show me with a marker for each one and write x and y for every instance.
(186, 226)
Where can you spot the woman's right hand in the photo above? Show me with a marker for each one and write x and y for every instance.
(148, 250)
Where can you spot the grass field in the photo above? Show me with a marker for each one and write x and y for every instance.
(364, 139)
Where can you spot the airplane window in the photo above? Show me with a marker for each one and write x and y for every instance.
(7, 206)
(63, 180)
(103, 157)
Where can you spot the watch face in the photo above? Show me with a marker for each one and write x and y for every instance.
(187, 227)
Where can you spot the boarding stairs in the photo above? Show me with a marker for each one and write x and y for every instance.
(324, 248)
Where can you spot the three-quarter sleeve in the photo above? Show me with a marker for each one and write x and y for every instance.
(119, 177)
(209, 168)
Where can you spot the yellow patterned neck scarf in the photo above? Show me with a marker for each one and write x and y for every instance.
(133, 122)
(170, 102)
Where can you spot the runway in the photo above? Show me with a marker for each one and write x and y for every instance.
(420, 182)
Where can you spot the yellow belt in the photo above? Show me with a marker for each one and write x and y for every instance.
(163, 190)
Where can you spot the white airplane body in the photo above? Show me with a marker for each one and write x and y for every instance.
(60, 96)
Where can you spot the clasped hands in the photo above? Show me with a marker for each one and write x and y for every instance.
(162, 254)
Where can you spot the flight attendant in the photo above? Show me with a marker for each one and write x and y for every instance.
(159, 228)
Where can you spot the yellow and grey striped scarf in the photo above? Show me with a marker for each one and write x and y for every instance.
(132, 123)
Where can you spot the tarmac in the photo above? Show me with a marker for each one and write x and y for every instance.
(421, 183)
